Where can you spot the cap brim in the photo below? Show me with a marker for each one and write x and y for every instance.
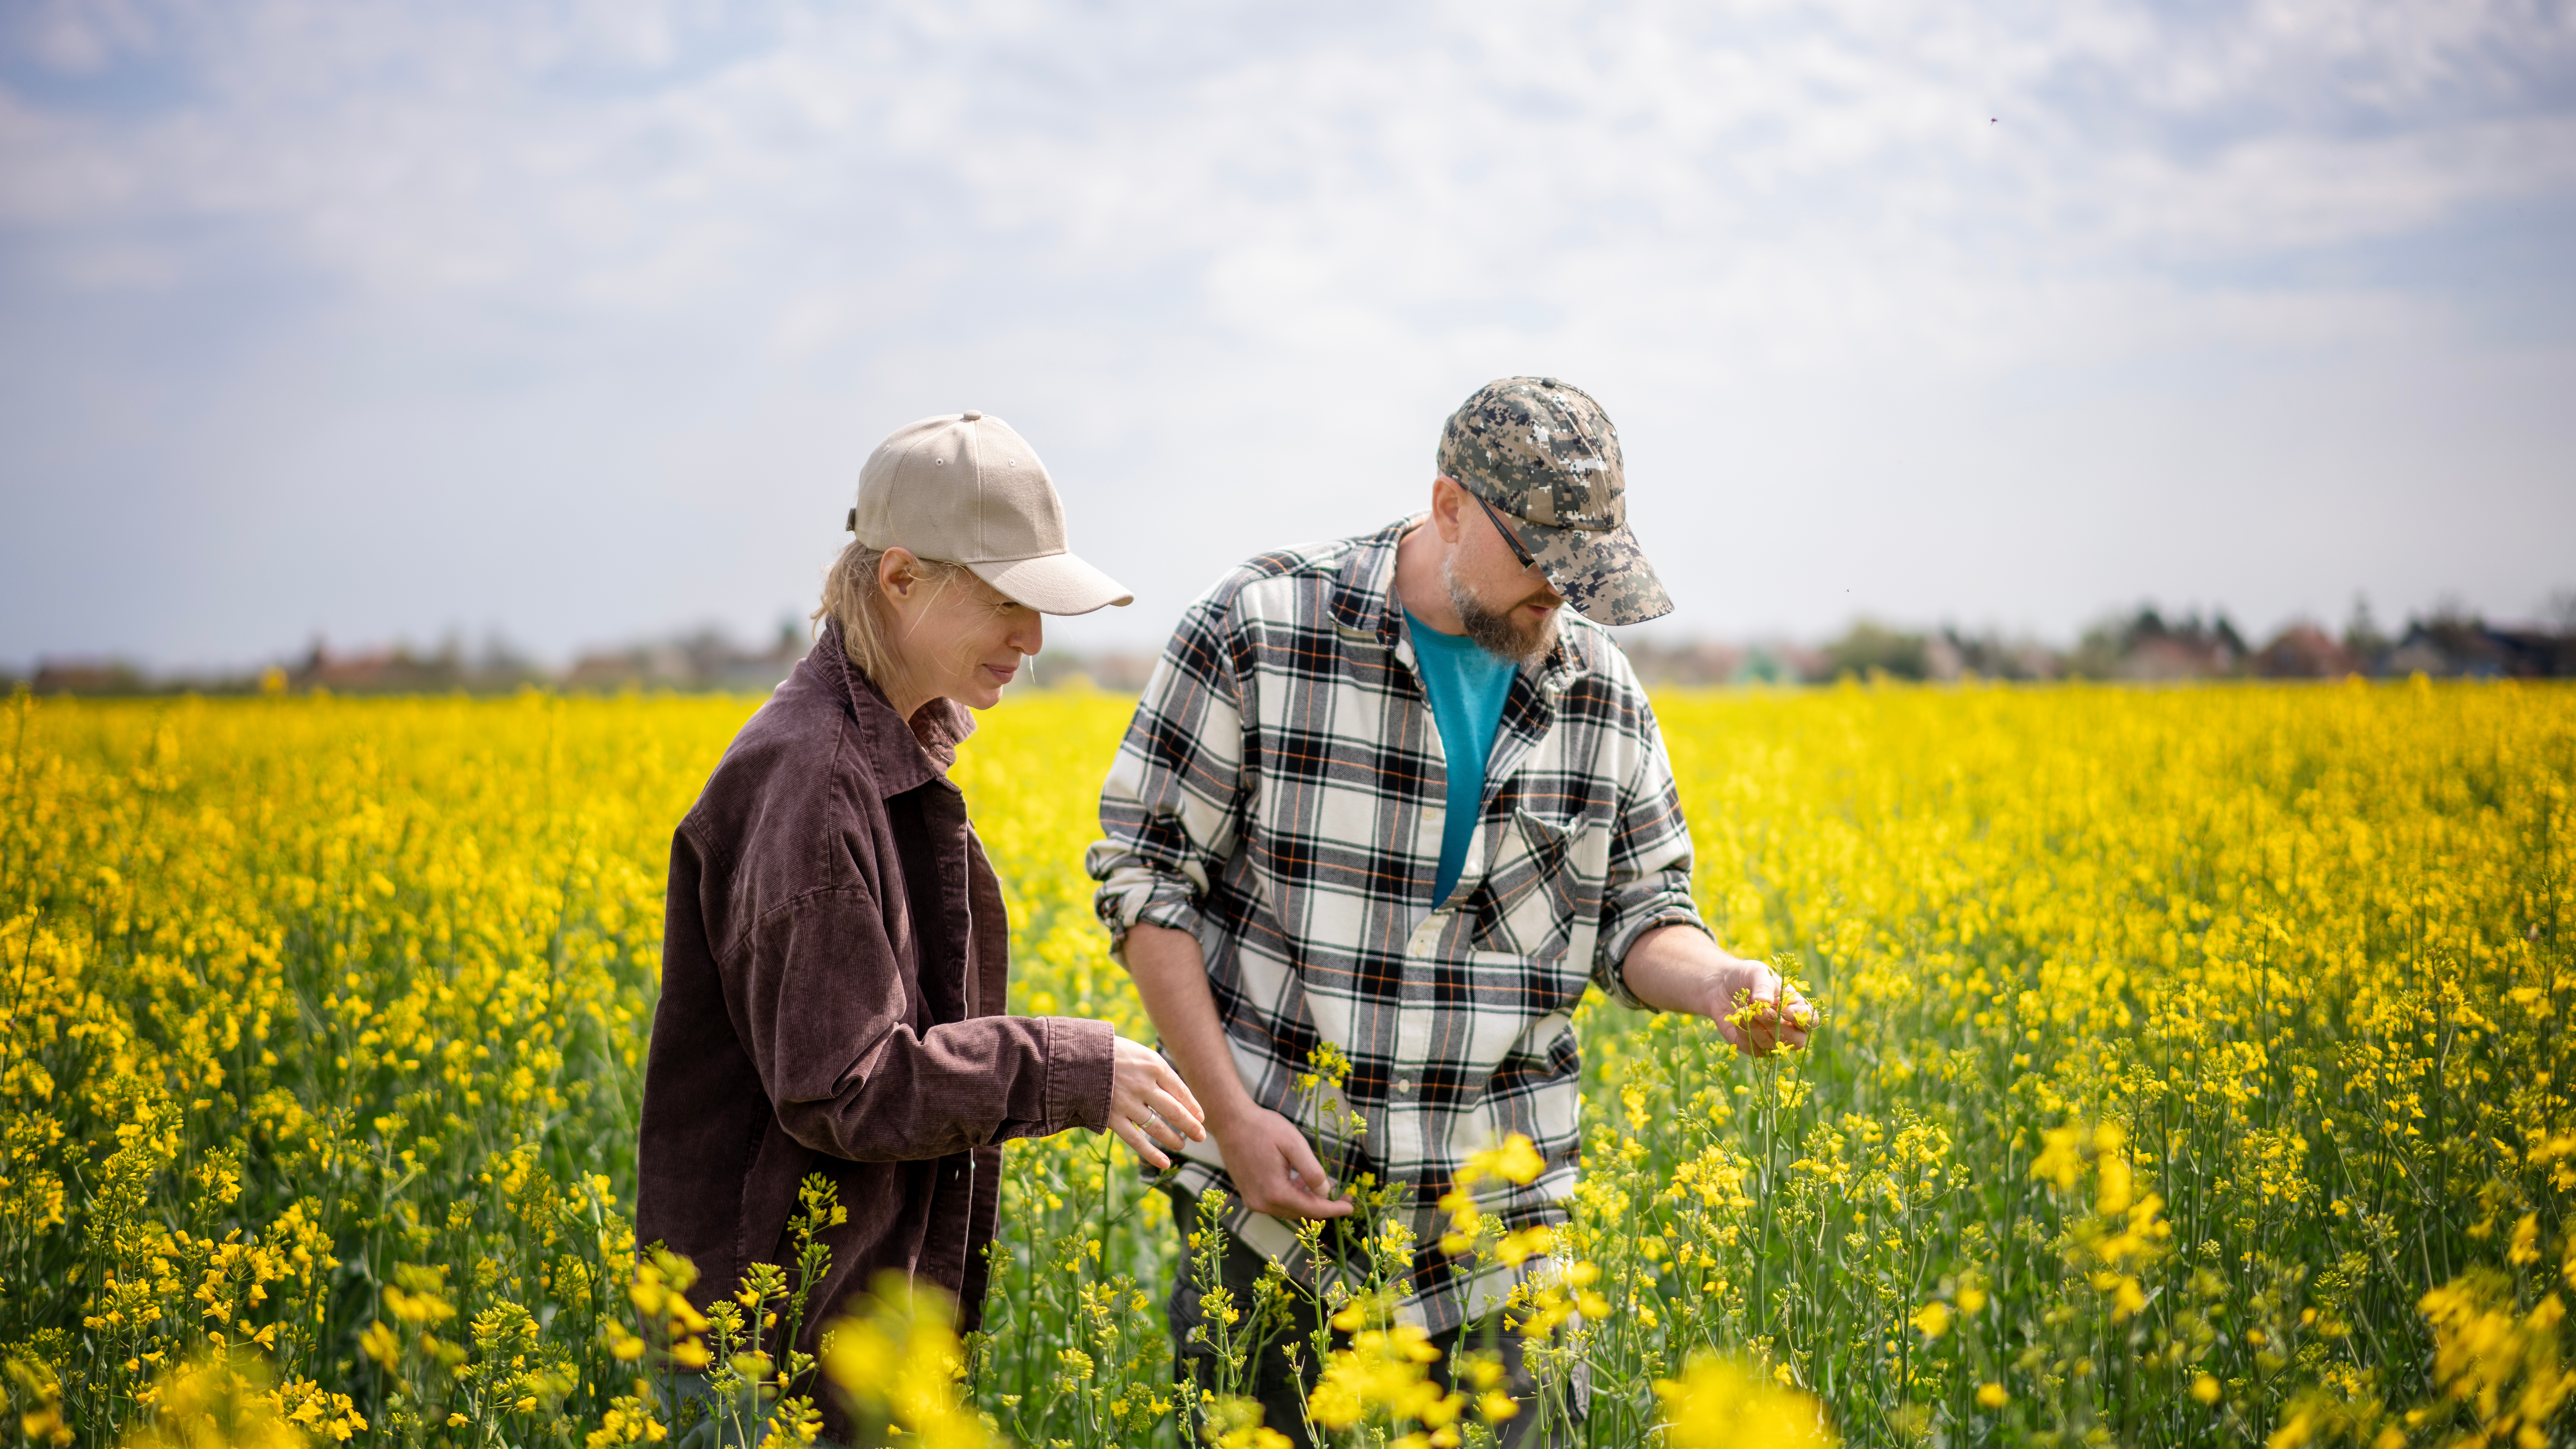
(1603, 575)
(1056, 583)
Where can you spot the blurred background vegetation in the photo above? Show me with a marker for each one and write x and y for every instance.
(2451, 642)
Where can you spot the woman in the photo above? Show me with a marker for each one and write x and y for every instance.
(835, 952)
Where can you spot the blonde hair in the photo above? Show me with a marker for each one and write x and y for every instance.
(851, 595)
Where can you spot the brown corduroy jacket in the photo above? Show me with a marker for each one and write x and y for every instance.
(833, 966)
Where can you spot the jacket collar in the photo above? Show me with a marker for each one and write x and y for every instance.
(1364, 609)
(902, 756)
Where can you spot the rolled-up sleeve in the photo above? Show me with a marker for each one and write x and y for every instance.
(1169, 808)
(823, 1006)
(1650, 868)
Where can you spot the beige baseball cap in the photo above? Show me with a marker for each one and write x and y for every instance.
(963, 488)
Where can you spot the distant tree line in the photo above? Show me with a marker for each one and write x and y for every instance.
(699, 660)
(2145, 644)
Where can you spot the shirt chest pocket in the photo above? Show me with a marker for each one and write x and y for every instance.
(1532, 897)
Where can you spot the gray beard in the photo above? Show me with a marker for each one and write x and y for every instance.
(1494, 633)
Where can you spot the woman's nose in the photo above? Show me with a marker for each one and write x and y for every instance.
(1030, 636)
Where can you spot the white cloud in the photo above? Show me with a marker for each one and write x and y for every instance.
(662, 236)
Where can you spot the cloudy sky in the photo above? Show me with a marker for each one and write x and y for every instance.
(573, 322)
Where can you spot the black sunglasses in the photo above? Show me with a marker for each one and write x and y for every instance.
(1528, 560)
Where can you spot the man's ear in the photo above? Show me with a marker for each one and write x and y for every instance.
(1448, 508)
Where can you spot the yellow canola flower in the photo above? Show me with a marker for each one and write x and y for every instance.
(1516, 1161)
(1718, 1403)
(217, 1404)
(2117, 1183)
(1380, 1379)
(897, 1365)
(1236, 1423)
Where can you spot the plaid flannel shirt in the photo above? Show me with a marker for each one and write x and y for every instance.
(1281, 794)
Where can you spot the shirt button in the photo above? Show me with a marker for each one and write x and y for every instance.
(1404, 1089)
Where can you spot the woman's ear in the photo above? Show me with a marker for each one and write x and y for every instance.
(897, 572)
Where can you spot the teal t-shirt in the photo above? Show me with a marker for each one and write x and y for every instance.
(1467, 688)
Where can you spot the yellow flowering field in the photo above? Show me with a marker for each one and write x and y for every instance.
(2193, 1070)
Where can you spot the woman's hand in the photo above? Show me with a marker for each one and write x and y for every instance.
(1150, 1104)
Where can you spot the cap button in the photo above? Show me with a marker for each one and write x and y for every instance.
(968, 416)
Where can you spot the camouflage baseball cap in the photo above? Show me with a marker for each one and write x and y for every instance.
(1544, 454)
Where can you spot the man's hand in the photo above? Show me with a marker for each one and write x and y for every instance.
(1756, 1010)
(1273, 1166)
(1678, 968)
(1150, 1104)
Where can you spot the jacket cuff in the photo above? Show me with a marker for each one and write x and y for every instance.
(1082, 1058)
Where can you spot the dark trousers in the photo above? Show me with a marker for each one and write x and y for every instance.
(1282, 1388)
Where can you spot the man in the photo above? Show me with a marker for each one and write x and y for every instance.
(1383, 793)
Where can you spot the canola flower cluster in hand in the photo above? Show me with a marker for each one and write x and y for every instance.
(2193, 1070)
